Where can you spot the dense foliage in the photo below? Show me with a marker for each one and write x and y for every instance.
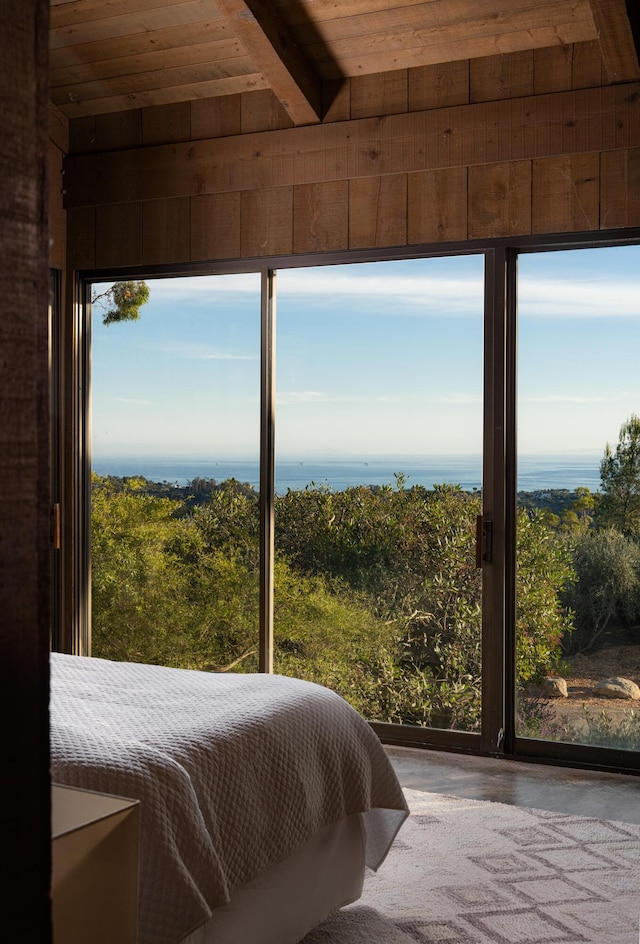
(376, 590)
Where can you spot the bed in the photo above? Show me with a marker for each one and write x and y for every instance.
(262, 798)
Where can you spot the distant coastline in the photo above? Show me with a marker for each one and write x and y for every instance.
(535, 473)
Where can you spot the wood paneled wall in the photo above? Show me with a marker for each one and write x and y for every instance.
(58, 149)
(513, 145)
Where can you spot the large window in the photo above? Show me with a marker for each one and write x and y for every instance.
(175, 463)
(378, 480)
(578, 584)
(415, 481)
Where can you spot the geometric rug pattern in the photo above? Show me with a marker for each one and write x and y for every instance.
(473, 872)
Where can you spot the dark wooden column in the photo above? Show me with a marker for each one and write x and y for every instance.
(24, 473)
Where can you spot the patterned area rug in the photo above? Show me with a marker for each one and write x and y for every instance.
(472, 872)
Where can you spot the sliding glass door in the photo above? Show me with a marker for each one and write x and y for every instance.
(448, 534)
(379, 484)
(578, 519)
(175, 473)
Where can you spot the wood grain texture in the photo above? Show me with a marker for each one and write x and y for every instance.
(499, 77)
(57, 214)
(439, 86)
(620, 188)
(617, 46)
(166, 227)
(267, 222)
(552, 69)
(382, 94)
(378, 211)
(566, 194)
(321, 217)
(215, 227)
(437, 206)
(494, 132)
(162, 124)
(25, 549)
(119, 235)
(586, 67)
(144, 98)
(81, 238)
(58, 128)
(500, 200)
(216, 117)
(262, 111)
(137, 20)
(336, 100)
(266, 38)
(150, 41)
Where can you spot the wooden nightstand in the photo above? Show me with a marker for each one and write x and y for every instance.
(94, 883)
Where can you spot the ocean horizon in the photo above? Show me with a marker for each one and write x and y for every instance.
(535, 472)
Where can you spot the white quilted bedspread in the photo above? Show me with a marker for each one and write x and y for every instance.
(233, 773)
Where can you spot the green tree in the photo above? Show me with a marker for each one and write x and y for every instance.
(607, 565)
(122, 301)
(620, 477)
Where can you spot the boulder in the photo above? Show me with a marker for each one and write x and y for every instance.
(555, 688)
(550, 687)
(617, 687)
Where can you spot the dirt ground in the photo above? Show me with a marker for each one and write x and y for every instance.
(586, 670)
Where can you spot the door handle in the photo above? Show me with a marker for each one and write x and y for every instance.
(484, 540)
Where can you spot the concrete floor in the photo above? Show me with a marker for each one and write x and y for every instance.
(564, 790)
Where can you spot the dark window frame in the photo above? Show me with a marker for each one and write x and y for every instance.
(498, 736)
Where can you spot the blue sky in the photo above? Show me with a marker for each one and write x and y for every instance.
(372, 359)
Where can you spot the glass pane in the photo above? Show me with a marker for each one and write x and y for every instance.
(578, 575)
(378, 480)
(175, 432)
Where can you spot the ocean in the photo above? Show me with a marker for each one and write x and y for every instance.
(534, 472)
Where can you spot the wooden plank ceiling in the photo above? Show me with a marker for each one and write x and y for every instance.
(114, 55)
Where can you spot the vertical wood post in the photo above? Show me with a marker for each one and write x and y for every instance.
(24, 471)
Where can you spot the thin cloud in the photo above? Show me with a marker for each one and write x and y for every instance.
(579, 298)
(293, 397)
(130, 400)
(202, 353)
(572, 398)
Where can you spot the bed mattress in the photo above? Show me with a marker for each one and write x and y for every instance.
(234, 773)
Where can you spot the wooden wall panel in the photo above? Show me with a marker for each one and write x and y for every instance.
(215, 226)
(216, 117)
(500, 200)
(122, 129)
(566, 194)
(261, 111)
(490, 132)
(378, 212)
(439, 86)
(497, 77)
(164, 124)
(119, 235)
(437, 205)
(620, 189)
(81, 239)
(57, 215)
(336, 100)
(166, 226)
(267, 222)
(385, 94)
(82, 135)
(321, 217)
(586, 70)
(552, 69)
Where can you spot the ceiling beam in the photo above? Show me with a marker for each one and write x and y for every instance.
(617, 42)
(267, 40)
